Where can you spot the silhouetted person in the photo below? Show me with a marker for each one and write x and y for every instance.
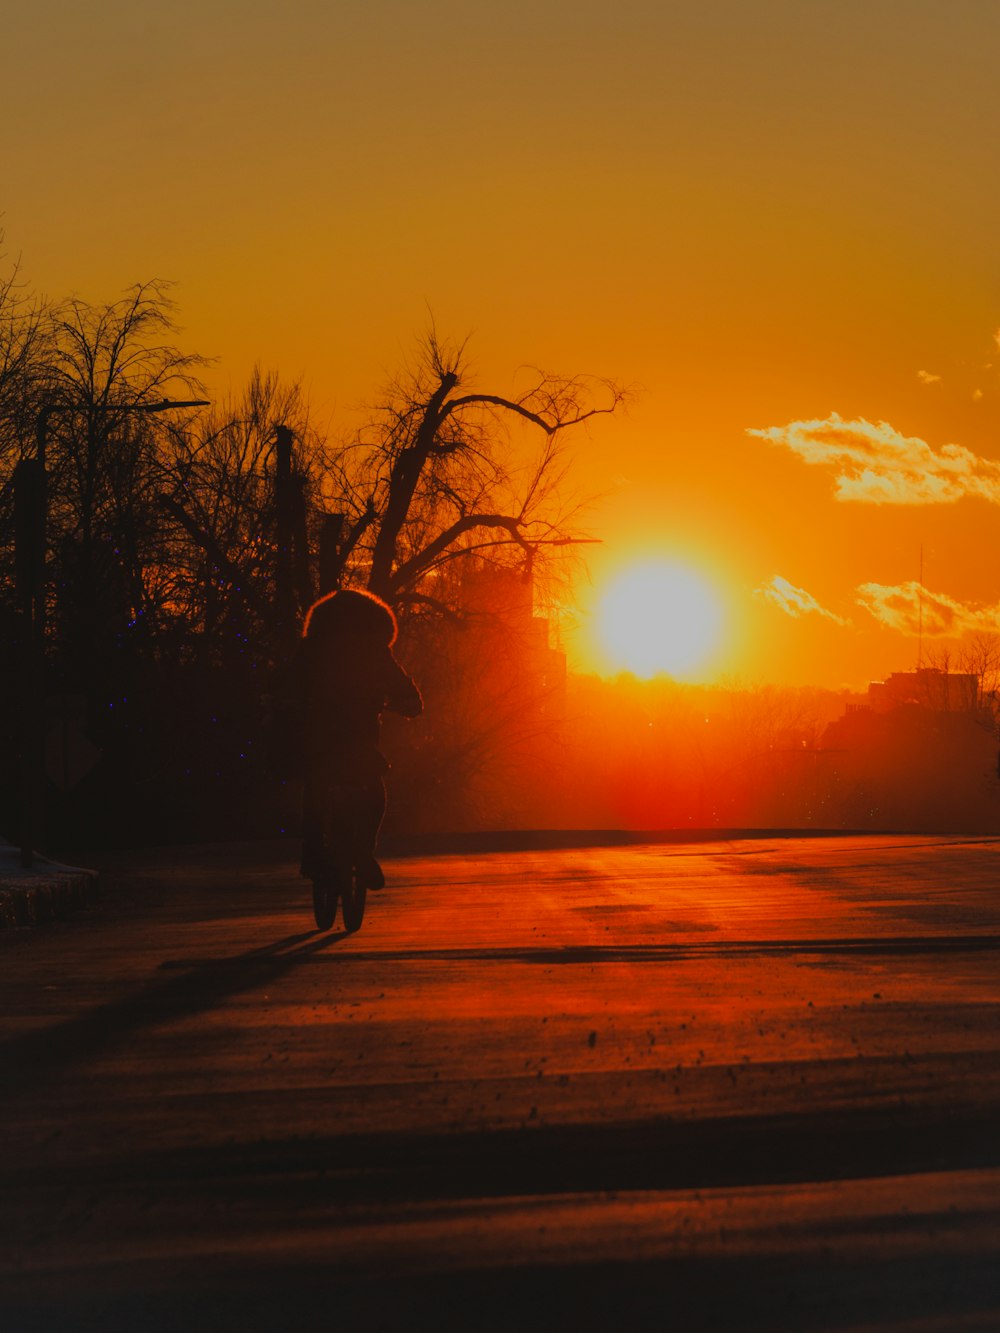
(348, 677)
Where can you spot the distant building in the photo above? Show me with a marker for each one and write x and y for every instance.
(499, 618)
(920, 755)
(927, 687)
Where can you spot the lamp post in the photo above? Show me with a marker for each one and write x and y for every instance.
(31, 509)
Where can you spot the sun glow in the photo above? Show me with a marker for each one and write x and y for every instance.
(659, 617)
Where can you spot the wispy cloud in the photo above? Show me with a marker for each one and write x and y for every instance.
(906, 607)
(875, 464)
(794, 601)
(910, 609)
(928, 377)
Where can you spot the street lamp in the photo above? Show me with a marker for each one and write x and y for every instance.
(31, 508)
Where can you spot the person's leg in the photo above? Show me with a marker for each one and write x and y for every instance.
(371, 815)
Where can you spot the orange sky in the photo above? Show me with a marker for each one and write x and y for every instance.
(764, 212)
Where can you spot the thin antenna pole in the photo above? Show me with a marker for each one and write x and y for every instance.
(920, 611)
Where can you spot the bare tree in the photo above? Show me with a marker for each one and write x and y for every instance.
(452, 501)
(22, 360)
(443, 472)
(22, 342)
(962, 680)
(979, 656)
(221, 497)
(107, 366)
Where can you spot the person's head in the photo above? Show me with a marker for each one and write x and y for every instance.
(350, 614)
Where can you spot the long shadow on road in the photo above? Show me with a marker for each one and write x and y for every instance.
(587, 954)
(33, 1055)
(655, 1153)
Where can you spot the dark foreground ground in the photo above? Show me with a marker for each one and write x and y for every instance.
(734, 1085)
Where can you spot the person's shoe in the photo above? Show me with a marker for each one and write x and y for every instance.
(371, 873)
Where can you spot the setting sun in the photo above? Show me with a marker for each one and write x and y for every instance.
(659, 617)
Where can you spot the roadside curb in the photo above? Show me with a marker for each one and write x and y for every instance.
(51, 892)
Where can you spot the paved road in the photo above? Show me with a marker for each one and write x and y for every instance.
(751, 1084)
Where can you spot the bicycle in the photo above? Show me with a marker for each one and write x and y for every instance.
(344, 856)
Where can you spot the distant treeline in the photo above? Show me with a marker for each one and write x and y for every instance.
(157, 557)
(657, 754)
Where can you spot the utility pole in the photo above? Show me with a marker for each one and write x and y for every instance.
(920, 620)
(29, 545)
(284, 521)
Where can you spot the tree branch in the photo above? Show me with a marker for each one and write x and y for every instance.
(403, 481)
(493, 400)
(510, 405)
(409, 569)
(206, 542)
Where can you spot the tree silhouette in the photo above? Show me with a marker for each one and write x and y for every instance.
(22, 358)
(221, 493)
(107, 455)
(181, 549)
(22, 365)
(443, 472)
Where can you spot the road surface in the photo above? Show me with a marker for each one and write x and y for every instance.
(745, 1084)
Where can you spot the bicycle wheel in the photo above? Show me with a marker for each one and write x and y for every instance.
(355, 895)
(324, 901)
